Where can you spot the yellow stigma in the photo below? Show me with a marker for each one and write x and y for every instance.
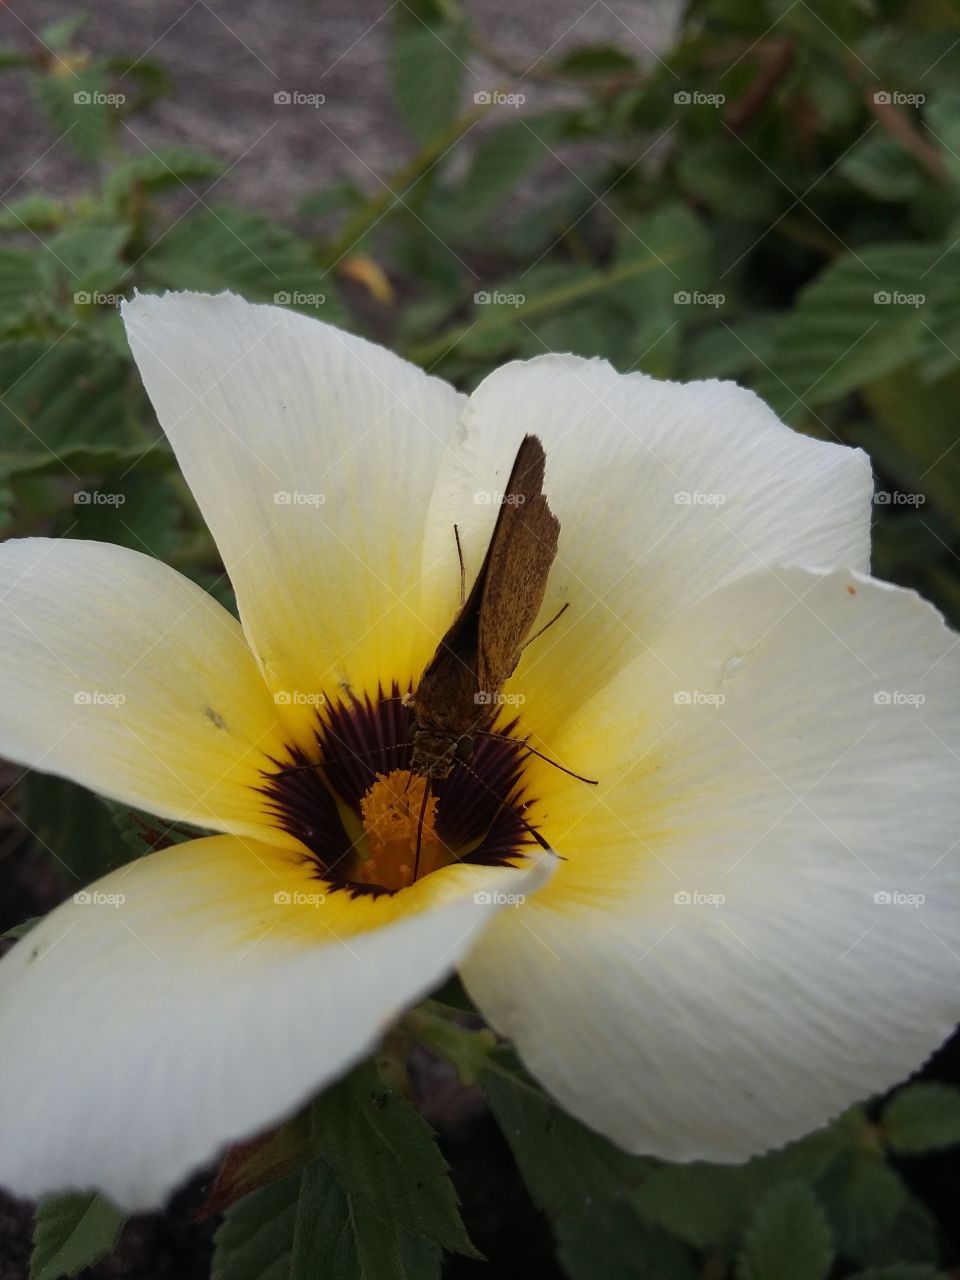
(391, 817)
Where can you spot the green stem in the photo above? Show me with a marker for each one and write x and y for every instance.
(436, 1027)
(427, 352)
(400, 183)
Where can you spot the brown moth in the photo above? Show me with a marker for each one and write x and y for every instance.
(459, 690)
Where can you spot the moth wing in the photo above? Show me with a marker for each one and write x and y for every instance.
(517, 565)
(481, 648)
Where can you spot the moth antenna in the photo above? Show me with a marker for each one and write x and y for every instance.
(463, 570)
(525, 743)
(546, 626)
(502, 800)
(354, 755)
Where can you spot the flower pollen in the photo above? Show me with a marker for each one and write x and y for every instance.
(391, 812)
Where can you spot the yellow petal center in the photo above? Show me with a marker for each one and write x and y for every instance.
(391, 812)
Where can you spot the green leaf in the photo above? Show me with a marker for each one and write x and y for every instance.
(72, 1232)
(910, 1236)
(226, 248)
(160, 169)
(566, 1167)
(66, 405)
(19, 285)
(143, 832)
(336, 198)
(674, 238)
(255, 1239)
(860, 319)
(386, 1157)
(512, 305)
(705, 1205)
(427, 65)
(307, 1226)
(922, 1117)
(919, 420)
(86, 261)
(941, 354)
(787, 1238)
(137, 511)
(596, 60)
(729, 180)
(502, 158)
(79, 107)
(598, 327)
(344, 1237)
(73, 825)
(34, 211)
(149, 78)
(610, 1242)
(730, 350)
(883, 168)
(862, 1195)
(940, 118)
(905, 58)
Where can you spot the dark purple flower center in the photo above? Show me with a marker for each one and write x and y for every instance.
(354, 804)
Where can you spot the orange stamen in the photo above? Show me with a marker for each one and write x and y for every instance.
(391, 815)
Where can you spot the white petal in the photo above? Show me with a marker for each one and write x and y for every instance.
(821, 799)
(182, 1006)
(663, 491)
(313, 455)
(123, 675)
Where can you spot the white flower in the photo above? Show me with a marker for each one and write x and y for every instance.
(730, 947)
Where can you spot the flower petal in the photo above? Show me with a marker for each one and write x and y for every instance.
(118, 672)
(771, 762)
(663, 491)
(313, 455)
(199, 995)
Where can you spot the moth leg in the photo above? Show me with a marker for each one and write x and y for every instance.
(546, 626)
